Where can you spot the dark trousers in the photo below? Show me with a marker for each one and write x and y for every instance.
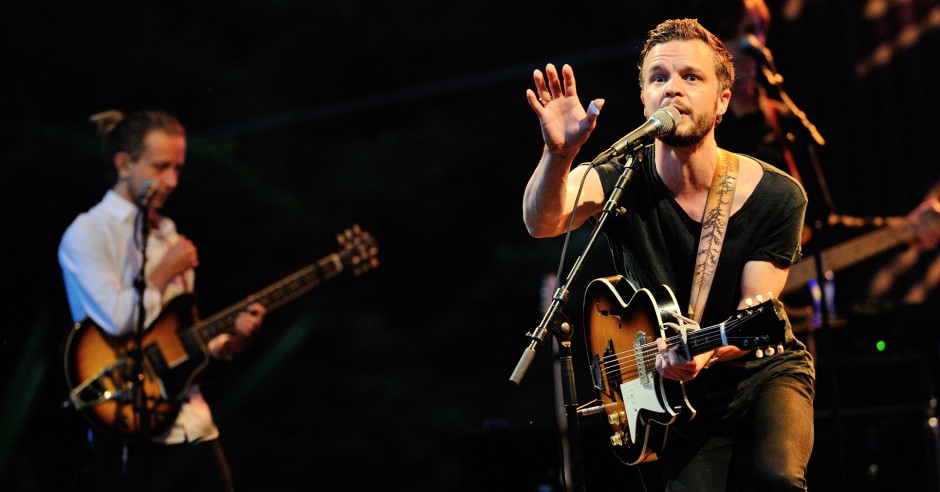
(150, 467)
(767, 450)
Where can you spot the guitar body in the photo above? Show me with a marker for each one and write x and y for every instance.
(101, 371)
(623, 325)
(638, 404)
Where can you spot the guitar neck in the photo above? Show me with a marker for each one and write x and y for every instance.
(849, 253)
(749, 328)
(704, 340)
(273, 296)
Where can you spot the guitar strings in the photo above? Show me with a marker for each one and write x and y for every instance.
(612, 362)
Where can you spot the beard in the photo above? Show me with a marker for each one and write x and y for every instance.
(701, 125)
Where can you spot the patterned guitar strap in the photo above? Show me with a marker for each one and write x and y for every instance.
(714, 223)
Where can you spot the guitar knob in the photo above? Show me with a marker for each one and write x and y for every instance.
(617, 439)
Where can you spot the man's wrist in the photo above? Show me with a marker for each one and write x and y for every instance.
(712, 360)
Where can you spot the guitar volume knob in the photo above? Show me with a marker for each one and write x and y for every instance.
(616, 439)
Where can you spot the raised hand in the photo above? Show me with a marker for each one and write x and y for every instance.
(566, 125)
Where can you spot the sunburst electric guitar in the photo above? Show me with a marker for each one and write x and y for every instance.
(622, 326)
(100, 370)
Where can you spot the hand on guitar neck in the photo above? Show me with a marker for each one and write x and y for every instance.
(249, 320)
(920, 229)
(672, 363)
(925, 227)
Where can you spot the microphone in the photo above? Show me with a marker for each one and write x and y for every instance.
(662, 122)
(752, 46)
(148, 190)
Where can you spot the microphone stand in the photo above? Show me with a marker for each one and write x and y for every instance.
(140, 284)
(775, 82)
(555, 322)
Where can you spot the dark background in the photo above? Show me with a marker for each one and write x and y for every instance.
(410, 120)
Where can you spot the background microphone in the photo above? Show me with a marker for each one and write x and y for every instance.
(752, 46)
(662, 122)
(148, 190)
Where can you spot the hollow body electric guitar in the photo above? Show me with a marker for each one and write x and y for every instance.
(100, 370)
(622, 326)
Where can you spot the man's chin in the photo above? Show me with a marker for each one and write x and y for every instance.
(681, 141)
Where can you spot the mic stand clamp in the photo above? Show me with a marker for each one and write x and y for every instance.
(557, 323)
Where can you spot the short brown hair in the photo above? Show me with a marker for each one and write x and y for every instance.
(688, 30)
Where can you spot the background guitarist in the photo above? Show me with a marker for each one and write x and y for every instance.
(100, 258)
(760, 124)
(754, 428)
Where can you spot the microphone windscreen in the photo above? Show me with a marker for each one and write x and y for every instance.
(147, 187)
(668, 118)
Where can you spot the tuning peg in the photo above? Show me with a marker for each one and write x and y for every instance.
(749, 302)
(770, 295)
(780, 348)
(759, 353)
(770, 351)
(760, 298)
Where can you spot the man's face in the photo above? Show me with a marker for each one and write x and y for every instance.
(161, 161)
(682, 74)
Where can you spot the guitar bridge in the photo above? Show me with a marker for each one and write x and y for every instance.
(94, 390)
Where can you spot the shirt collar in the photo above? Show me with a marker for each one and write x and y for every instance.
(119, 207)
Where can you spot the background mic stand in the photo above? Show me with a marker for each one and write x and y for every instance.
(557, 323)
(820, 221)
(137, 355)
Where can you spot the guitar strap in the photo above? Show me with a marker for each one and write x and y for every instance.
(714, 223)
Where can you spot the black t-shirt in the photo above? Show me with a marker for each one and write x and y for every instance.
(655, 243)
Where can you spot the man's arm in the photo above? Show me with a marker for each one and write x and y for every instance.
(549, 197)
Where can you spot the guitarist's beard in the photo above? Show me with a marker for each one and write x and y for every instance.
(702, 124)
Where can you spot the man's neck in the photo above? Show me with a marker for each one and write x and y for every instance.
(687, 169)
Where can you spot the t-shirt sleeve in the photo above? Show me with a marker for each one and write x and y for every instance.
(785, 202)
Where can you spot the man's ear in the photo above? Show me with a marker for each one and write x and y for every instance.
(122, 163)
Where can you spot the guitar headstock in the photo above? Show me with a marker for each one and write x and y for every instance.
(359, 250)
(760, 326)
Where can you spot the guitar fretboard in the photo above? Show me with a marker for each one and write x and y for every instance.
(273, 296)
